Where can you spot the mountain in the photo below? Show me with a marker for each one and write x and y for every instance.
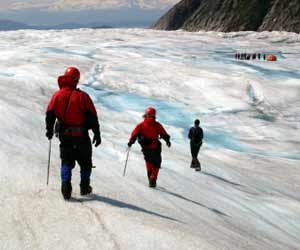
(284, 15)
(6, 25)
(11, 25)
(232, 15)
(91, 4)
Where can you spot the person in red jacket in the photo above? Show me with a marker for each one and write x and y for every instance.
(148, 133)
(73, 113)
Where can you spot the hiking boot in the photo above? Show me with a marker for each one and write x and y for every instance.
(66, 190)
(85, 189)
(152, 183)
(198, 169)
(195, 163)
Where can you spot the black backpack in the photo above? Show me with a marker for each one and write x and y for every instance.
(196, 134)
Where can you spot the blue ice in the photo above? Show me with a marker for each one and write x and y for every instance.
(7, 74)
(176, 115)
(172, 114)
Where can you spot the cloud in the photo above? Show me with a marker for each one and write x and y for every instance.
(57, 5)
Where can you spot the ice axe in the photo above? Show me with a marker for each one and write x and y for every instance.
(127, 155)
(49, 156)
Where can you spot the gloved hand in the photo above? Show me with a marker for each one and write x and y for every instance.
(97, 140)
(49, 134)
(168, 143)
(129, 144)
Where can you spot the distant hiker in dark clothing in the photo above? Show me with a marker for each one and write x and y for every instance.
(196, 137)
(148, 133)
(258, 56)
(74, 113)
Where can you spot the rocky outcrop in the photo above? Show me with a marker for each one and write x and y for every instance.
(232, 15)
(178, 15)
(284, 15)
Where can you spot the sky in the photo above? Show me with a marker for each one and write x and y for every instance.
(121, 12)
(247, 195)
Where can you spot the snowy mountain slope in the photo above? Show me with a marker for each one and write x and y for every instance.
(247, 196)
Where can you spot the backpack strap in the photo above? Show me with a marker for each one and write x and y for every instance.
(59, 124)
(67, 105)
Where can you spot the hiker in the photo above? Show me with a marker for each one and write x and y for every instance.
(196, 136)
(258, 56)
(73, 113)
(148, 132)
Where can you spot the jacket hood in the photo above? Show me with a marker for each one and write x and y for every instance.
(66, 81)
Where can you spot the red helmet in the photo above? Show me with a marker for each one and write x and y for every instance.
(150, 112)
(72, 72)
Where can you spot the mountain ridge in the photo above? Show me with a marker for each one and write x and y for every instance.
(232, 15)
(90, 4)
(9, 25)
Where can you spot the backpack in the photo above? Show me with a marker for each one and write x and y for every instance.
(196, 134)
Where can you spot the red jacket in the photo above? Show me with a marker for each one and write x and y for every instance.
(148, 132)
(71, 106)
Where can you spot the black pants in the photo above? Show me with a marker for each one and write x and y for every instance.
(72, 149)
(195, 148)
(153, 156)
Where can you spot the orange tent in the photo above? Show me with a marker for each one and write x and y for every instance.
(271, 58)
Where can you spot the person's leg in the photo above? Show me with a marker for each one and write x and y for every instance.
(84, 158)
(67, 164)
(153, 178)
(197, 149)
(66, 173)
(85, 187)
(149, 169)
(191, 148)
(194, 154)
(153, 161)
(197, 162)
(156, 163)
(194, 150)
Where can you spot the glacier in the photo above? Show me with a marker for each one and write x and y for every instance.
(247, 195)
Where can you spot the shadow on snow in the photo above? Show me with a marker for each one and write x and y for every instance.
(120, 204)
(189, 200)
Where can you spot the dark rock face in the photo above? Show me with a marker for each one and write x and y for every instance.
(178, 15)
(232, 15)
(284, 15)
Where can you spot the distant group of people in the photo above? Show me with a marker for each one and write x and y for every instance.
(71, 114)
(250, 56)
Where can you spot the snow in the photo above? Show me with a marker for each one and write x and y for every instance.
(246, 197)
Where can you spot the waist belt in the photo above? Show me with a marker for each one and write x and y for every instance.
(75, 131)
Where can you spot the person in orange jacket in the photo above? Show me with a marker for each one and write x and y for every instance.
(148, 132)
(73, 113)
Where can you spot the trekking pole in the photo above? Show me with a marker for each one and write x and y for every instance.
(49, 156)
(126, 161)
